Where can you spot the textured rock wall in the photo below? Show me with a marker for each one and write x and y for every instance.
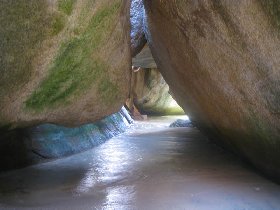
(138, 39)
(63, 61)
(144, 59)
(151, 94)
(45, 142)
(221, 59)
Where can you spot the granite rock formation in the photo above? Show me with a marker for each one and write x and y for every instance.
(63, 61)
(221, 60)
(151, 94)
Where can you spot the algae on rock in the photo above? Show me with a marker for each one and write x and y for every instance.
(61, 59)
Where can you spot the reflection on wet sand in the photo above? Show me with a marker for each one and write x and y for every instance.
(149, 167)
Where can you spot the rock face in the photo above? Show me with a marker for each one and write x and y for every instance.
(138, 39)
(181, 124)
(151, 94)
(63, 61)
(144, 59)
(22, 147)
(221, 59)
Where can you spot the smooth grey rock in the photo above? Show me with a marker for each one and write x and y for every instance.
(181, 123)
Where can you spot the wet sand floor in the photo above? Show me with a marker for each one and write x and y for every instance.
(151, 167)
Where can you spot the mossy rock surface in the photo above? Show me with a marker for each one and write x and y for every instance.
(63, 61)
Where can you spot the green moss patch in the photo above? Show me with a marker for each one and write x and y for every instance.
(77, 65)
(58, 24)
(272, 8)
(109, 91)
(66, 6)
(23, 27)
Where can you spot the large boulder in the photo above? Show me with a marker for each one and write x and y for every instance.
(221, 59)
(63, 61)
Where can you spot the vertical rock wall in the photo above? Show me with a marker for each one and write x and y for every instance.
(221, 60)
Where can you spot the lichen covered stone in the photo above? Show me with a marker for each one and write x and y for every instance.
(63, 61)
